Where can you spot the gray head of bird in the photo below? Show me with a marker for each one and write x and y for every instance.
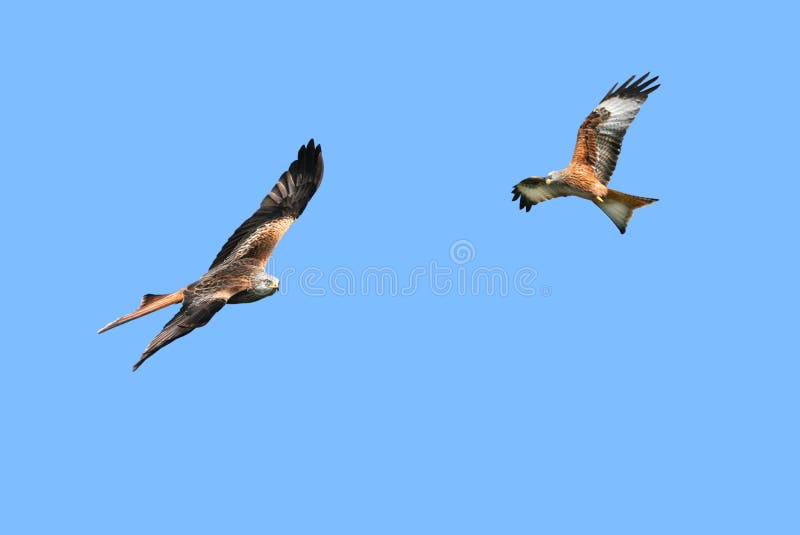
(274, 283)
(267, 284)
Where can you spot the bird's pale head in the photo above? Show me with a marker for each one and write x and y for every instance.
(272, 284)
(265, 285)
(551, 176)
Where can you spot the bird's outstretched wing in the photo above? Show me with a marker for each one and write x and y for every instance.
(258, 235)
(192, 315)
(534, 190)
(600, 135)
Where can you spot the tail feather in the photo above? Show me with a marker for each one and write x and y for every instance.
(150, 303)
(619, 207)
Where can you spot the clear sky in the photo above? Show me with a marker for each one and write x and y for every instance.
(644, 383)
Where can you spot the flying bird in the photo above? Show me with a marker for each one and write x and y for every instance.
(595, 157)
(237, 274)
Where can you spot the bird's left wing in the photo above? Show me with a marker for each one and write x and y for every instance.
(258, 235)
(191, 316)
(534, 190)
(600, 135)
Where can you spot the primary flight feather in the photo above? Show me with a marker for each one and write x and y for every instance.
(237, 273)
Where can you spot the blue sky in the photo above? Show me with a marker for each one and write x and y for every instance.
(649, 384)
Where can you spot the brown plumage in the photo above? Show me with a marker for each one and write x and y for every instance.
(595, 157)
(237, 273)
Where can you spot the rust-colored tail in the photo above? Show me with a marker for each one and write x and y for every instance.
(619, 207)
(150, 303)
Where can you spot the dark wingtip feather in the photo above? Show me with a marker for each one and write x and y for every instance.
(610, 92)
(147, 354)
(638, 88)
(625, 84)
(309, 147)
(309, 159)
(523, 202)
(650, 90)
(640, 79)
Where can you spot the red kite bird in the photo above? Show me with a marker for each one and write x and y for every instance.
(237, 273)
(595, 157)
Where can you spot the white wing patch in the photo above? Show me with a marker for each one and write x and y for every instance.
(622, 112)
(537, 193)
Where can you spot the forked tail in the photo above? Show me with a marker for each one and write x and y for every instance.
(619, 207)
(150, 303)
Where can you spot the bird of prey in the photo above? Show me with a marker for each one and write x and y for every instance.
(237, 274)
(595, 157)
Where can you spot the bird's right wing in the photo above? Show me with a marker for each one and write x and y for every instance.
(534, 190)
(258, 235)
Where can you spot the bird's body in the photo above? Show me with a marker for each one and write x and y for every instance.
(237, 273)
(595, 157)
